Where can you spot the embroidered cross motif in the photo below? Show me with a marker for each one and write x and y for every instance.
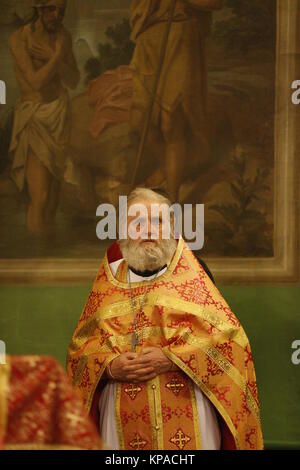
(137, 443)
(180, 439)
(175, 385)
(74, 419)
(132, 391)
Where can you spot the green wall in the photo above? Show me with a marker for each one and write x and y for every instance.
(41, 320)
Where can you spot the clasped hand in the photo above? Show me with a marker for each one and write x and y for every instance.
(140, 367)
(43, 51)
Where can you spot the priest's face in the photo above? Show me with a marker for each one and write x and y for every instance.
(150, 243)
(52, 14)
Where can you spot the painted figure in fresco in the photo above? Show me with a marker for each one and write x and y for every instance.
(45, 67)
(179, 119)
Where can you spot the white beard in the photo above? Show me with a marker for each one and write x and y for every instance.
(148, 258)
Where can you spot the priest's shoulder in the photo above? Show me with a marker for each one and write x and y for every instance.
(205, 267)
(114, 252)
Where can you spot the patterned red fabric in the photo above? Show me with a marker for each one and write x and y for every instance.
(43, 410)
(1, 441)
(227, 441)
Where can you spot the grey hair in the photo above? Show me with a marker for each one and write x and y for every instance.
(145, 193)
(149, 194)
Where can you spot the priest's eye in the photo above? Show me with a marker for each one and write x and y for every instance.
(139, 222)
(156, 221)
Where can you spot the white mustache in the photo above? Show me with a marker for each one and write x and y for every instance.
(142, 257)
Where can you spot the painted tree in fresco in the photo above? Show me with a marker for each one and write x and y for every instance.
(243, 229)
(252, 24)
(117, 50)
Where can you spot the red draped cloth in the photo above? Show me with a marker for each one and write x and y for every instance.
(111, 96)
(40, 409)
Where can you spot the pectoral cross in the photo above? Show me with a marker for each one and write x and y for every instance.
(134, 341)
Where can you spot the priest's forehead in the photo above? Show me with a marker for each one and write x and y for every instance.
(56, 3)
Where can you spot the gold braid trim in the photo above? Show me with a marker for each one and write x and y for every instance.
(222, 362)
(154, 397)
(231, 332)
(123, 308)
(96, 383)
(122, 271)
(213, 353)
(4, 390)
(196, 420)
(118, 416)
(208, 393)
(230, 370)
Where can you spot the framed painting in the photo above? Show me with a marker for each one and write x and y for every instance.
(73, 146)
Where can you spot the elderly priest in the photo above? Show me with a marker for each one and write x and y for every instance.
(158, 356)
